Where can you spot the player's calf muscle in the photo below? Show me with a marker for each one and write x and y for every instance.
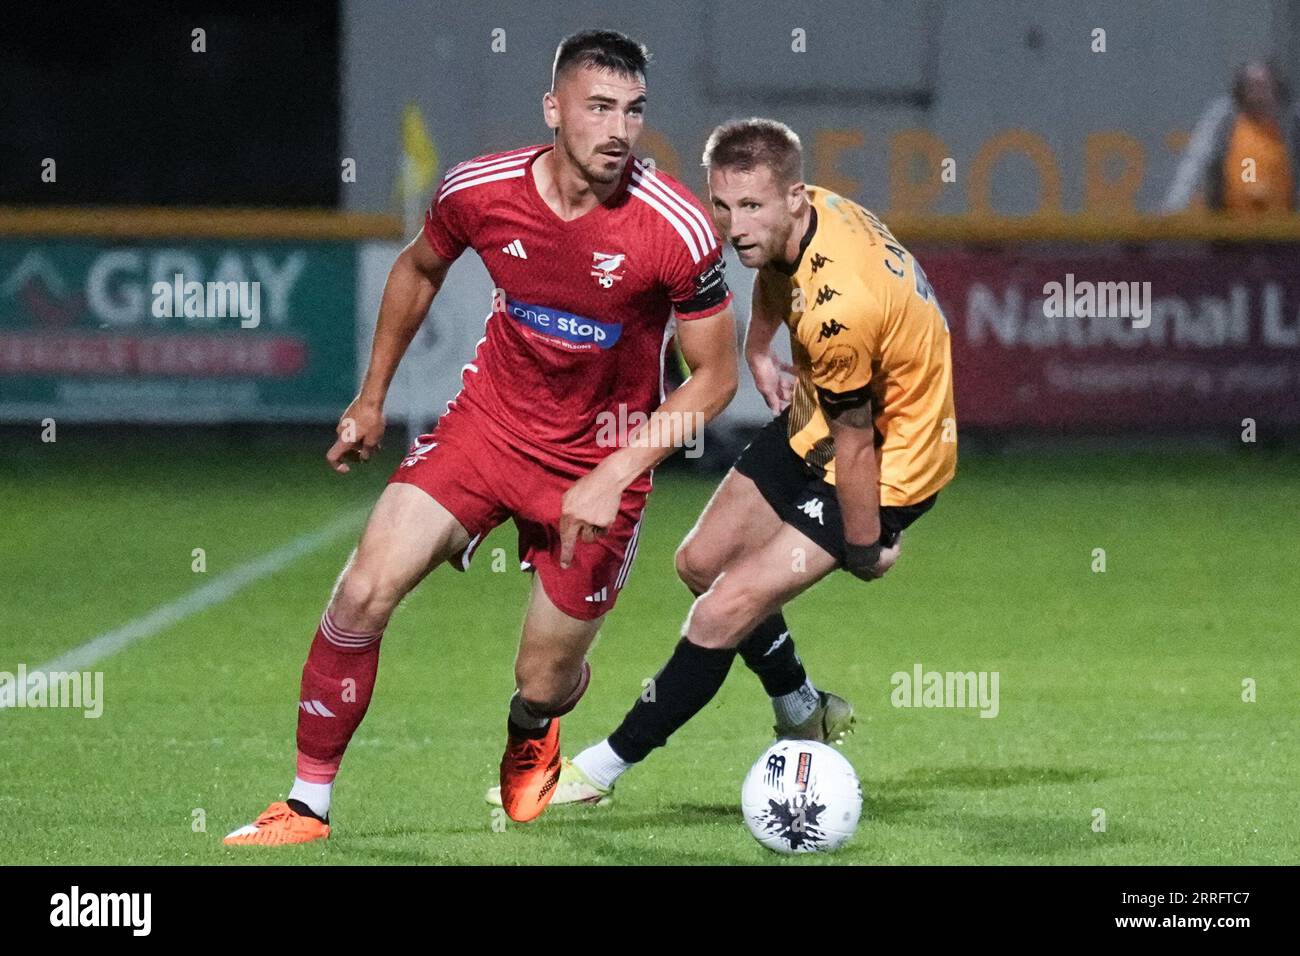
(546, 675)
(726, 613)
(547, 685)
(549, 667)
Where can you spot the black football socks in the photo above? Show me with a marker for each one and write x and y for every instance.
(768, 651)
(678, 692)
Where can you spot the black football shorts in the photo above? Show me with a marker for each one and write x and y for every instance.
(803, 499)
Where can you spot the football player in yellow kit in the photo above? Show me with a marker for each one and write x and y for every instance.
(863, 440)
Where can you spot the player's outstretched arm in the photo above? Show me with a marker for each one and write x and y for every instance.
(771, 375)
(412, 283)
(857, 482)
(709, 347)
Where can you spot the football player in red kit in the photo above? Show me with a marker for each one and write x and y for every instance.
(591, 253)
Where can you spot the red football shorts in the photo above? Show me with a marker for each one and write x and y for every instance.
(476, 473)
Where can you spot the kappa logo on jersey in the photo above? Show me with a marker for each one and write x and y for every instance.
(564, 327)
(605, 266)
(829, 329)
(516, 249)
(825, 294)
(817, 261)
(813, 509)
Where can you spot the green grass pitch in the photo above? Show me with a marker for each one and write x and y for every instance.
(1119, 691)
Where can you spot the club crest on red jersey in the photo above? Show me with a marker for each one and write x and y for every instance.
(605, 267)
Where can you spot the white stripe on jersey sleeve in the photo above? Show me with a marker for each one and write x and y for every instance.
(673, 218)
(478, 181)
(703, 230)
(462, 175)
(699, 216)
(476, 163)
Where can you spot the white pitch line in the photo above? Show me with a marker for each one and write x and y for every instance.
(214, 592)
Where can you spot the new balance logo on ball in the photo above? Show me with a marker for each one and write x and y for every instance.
(775, 770)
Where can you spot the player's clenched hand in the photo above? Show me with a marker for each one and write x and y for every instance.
(772, 377)
(885, 561)
(887, 558)
(360, 430)
(588, 508)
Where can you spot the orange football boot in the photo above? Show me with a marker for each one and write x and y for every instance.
(530, 769)
(280, 825)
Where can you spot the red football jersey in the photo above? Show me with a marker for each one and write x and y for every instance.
(581, 313)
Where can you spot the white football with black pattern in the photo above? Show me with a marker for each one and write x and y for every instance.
(801, 797)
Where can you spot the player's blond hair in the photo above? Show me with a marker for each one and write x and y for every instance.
(746, 144)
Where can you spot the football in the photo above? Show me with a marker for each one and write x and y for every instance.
(801, 797)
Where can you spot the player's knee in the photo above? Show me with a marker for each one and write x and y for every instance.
(695, 571)
(363, 600)
(724, 615)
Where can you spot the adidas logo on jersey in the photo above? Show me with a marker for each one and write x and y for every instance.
(315, 707)
(598, 597)
(516, 249)
(813, 509)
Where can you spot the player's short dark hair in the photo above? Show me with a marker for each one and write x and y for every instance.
(749, 143)
(606, 49)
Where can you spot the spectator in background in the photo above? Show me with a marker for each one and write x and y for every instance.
(1256, 122)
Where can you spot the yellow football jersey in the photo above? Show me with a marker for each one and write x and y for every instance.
(862, 316)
